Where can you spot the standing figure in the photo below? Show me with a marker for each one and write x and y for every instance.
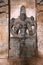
(25, 31)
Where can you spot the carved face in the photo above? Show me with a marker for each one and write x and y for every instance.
(23, 13)
(32, 18)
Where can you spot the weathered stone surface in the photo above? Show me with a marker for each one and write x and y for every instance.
(4, 39)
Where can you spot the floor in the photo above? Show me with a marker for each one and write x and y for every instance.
(33, 61)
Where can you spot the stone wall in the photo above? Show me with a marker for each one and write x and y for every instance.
(14, 11)
(3, 35)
